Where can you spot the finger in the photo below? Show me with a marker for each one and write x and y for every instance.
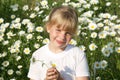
(50, 69)
(50, 73)
(54, 69)
(52, 77)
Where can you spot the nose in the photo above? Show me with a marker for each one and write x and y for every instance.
(63, 35)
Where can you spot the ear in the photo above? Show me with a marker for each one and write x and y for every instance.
(48, 29)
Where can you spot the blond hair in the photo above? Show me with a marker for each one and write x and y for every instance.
(64, 17)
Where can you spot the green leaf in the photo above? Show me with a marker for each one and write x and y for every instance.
(118, 64)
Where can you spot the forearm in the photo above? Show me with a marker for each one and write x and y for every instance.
(82, 78)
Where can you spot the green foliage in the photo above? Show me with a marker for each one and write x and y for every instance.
(22, 32)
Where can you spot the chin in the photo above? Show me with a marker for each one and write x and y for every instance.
(62, 47)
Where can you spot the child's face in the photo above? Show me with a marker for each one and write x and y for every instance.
(59, 38)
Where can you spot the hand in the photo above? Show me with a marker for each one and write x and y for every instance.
(53, 74)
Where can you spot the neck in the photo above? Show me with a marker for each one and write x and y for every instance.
(55, 49)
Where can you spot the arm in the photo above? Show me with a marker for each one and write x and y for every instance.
(82, 69)
(82, 78)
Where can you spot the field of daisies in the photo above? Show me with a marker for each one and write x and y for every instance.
(22, 32)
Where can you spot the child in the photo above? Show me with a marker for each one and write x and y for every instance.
(59, 60)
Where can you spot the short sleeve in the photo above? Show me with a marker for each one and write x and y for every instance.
(35, 70)
(81, 64)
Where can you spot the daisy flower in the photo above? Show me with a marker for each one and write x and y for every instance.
(27, 51)
(117, 49)
(92, 46)
(10, 71)
(97, 65)
(92, 26)
(103, 64)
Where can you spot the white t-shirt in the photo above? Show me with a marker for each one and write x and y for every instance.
(70, 63)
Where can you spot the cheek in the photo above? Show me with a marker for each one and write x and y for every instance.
(52, 34)
(69, 39)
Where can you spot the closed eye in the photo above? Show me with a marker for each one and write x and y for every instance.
(58, 30)
(68, 33)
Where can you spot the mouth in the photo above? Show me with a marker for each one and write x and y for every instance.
(60, 42)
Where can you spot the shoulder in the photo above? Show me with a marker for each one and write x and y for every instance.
(75, 49)
(40, 50)
(76, 52)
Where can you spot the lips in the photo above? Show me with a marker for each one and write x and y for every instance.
(60, 42)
